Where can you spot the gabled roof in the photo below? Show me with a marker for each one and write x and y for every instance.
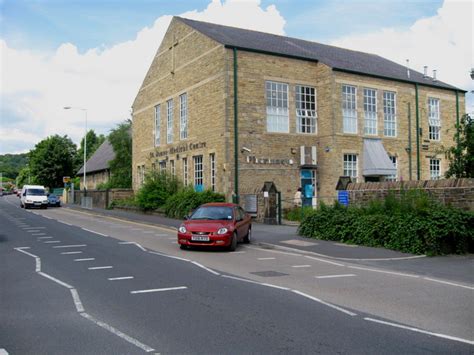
(99, 161)
(335, 57)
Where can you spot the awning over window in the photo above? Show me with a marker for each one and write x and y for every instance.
(376, 159)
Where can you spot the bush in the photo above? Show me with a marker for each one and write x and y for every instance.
(157, 188)
(124, 202)
(182, 203)
(412, 223)
(297, 213)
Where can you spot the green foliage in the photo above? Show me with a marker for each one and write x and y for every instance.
(121, 167)
(461, 156)
(412, 223)
(25, 177)
(93, 142)
(157, 188)
(11, 164)
(104, 186)
(182, 203)
(124, 202)
(297, 213)
(51, 159)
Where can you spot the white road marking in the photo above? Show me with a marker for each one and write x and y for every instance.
(334, 276)
(159, 290)
(444, 336)
(169, 256)
(71, 246)
(134, 243)
(238, 252)
(266, 258)
(77, 300)
(275, 286)
(34, 228)
(67, 224)
(241, 279)
(100, 267)
(55, 280)
(323, 261)
(45, 238)
(52, 241)
(298, 266)
(346, 245)
(85, 259)
(120, 278)
(3, 352)
(91, 231)
(325, 303)
(148, 232)
(71, 252)
(448, 283)
(36, 234)
(273, 251)
(383, 271)
(205, 268)
(118, 333)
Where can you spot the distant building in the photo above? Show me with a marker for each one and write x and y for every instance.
(97, 167)
(228, 109)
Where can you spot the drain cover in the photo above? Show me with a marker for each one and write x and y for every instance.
(268, 273)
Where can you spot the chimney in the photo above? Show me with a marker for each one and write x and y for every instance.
(408, 68)
(425, 71)
(434, 74)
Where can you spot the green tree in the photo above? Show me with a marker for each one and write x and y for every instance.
(121, 167)
(93, 142)
(51, 159)
(25, 177)
(11, 164)
(461, 156)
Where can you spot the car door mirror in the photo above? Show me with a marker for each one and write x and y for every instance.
(24, 193)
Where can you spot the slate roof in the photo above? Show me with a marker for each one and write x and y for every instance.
(335, 57)
(99, 161)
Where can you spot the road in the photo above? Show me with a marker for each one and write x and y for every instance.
(73, 282)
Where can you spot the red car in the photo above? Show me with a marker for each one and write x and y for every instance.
(216, 225)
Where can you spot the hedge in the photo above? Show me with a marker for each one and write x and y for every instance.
(184, 201)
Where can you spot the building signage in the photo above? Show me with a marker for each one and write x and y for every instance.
(268, 161)
(178, 149)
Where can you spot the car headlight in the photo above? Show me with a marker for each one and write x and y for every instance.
(222, 231)
(182, 229)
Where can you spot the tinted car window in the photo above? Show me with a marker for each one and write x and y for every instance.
(212, 213)
(35, 192)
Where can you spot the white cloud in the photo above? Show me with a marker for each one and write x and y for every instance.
(36, 86)
(443, 42)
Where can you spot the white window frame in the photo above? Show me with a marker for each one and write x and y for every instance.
(212, 164)
(435, 169)
(276, 94)
(351, 166)
(185, 172)
(394, 177)
(157, 125)
(434, 119)
(389, 114)
(183, 114)
(370, 111)
(169, 121)
(198, 170)
(349, 109)
(306, 109)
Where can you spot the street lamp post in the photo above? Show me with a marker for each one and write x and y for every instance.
(85, 140)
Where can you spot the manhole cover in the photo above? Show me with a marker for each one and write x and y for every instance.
(297, 242)
(268, 273)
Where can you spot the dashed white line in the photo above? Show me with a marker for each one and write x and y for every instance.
(444, 336)
(383, 271)
(334, 276)
(52, 241)
(323, 261)
(448, 283)
(301, 266)
(100, 267)
(159, 290)
(238, 252)
(71, 252)
(71, 246)
(120, 278)
(45, 238)
(85, 259)
(36, 234)
(266, 258)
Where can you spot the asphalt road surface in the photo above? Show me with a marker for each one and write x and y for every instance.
(77, 283)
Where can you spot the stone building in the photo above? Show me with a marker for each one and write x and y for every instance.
(228, 109)
(97, 167)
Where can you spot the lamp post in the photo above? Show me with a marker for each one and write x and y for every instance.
(85, 140)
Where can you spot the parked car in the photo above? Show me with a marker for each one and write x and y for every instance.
(216, 225)
(54, 200)
(33, 196)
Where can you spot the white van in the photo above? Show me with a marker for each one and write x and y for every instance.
(33, 196)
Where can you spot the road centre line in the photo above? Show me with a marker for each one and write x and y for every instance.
(439, 335)
(71, 252)
(100, 267)
(334, 276)
(448, 283)
(323, 261)
(91, 231)
(71, 246)
(383, 271)
(120, 278)
(159, 290)
(85, 259)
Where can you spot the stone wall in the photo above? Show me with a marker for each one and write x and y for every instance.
(455, 192)
(103, 198)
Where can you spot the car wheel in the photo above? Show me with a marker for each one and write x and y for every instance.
(233, 242)
(183, 247)
(248, 237)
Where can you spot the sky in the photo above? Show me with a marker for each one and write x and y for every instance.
(94, 54)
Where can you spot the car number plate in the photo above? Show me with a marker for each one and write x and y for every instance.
(200, 238)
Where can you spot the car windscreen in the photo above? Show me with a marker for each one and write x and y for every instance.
(36, 192)
(213, 213)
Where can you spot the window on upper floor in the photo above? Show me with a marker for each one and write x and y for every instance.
(183, 116)
(350, 166)
(277, 107)
(157, 125)
(169, 125)
(349, 109)
(434, 120)
(305, 98)
(389, 114)
(370, 112)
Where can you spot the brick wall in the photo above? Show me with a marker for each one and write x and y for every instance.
(455, 192)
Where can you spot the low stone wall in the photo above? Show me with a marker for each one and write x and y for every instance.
(103, 198)
(455, 192)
